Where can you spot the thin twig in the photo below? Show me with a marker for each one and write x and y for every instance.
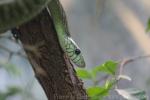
(126, 61)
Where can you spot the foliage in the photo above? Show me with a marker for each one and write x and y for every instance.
(10, 68)
(109, 67)
(11, 91)
(148, 25)
(132, 94)
(99, 92)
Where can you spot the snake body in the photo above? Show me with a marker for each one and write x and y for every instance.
(65, 40)
(17, 12)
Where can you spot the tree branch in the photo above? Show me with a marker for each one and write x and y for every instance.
(53, 70)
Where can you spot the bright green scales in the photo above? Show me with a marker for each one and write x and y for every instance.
(16, 12)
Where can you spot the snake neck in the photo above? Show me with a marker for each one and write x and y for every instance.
(59, 18)
(62, 41)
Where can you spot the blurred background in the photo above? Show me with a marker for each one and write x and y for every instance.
(103, 29)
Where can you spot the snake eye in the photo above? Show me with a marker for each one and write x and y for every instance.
(77, 51)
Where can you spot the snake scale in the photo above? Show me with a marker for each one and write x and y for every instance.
(15, 12)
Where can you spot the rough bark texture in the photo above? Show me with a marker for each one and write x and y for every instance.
(52, 69)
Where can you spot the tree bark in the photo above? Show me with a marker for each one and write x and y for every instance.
(52, 68)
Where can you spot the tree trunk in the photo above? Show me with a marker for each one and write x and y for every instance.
(53, 70)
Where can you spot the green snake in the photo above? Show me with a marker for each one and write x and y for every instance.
(15, 12)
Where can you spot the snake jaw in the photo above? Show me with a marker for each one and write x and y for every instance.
(81, 62)
(78, 60)
(74, 52)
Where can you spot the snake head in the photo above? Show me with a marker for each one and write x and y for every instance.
(74, 52)
(79, 60)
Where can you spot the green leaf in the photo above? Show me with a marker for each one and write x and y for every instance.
(84, 74)
(95, 91)
(148, 25)
(110, 67)
(11, 68)
(96, 98)
(2, 96)
(98, 93)
(109, 84)
(13, 90)
(132, 94)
